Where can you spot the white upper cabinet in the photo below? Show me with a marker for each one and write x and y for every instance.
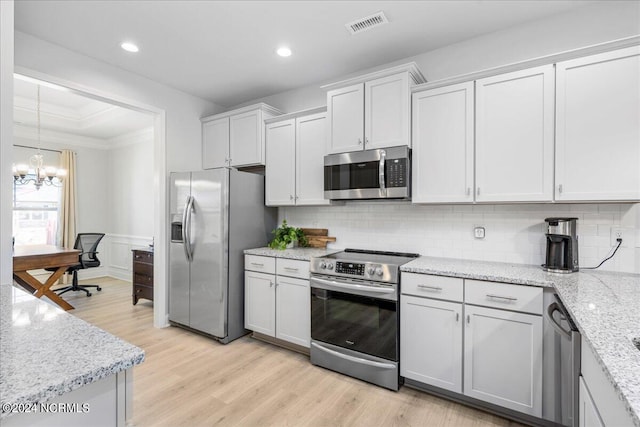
(443, 144)
(514, 136)
(386, 112)
(311, 137)
(235, 138)
(215, 143)
(598, 127)
(371, 111)
(294, 174)
(280, 171)
(345, 109)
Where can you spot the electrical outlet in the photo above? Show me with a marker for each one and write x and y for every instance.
(619, 233)
(478, 232)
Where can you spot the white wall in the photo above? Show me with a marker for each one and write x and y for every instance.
(178, 117)
(515, 233)
(6, 139)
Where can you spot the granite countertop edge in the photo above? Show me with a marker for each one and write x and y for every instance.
(299, 253)
(618, 365)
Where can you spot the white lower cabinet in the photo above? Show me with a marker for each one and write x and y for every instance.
(589, 416)
(277, 305)
(260, 302)
(431, 342)
(503, 358)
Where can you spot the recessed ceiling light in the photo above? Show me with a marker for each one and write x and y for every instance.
(284, 51)
(129, 47)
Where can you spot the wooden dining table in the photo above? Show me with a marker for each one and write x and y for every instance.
(34, 257)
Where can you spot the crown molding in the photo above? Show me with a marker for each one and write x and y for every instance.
(59, 138)
(136, 137)
(412, 68)
(259, 106)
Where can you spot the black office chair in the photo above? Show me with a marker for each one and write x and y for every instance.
(87, 243)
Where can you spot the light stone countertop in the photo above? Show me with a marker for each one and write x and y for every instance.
(46, 352)
(605, 307)
(302, 254)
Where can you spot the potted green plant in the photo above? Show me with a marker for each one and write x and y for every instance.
(287, 237)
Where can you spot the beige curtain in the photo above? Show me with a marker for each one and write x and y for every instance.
(67, 223)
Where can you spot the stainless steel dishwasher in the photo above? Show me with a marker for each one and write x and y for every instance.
(561, 364)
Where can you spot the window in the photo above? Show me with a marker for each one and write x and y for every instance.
(35, 214)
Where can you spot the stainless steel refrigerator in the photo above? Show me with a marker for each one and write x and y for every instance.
(215, 215)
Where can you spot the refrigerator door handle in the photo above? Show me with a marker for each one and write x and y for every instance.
(186, 228)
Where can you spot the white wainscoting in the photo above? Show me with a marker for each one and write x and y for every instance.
(118, 259)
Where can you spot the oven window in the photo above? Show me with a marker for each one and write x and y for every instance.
(359, 323)
(351, 176)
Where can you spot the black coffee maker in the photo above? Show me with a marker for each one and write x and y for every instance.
(562, 245)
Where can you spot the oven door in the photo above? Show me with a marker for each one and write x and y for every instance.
(356, 315)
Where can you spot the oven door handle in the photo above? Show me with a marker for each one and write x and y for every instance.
(354, 359)
(365, 288)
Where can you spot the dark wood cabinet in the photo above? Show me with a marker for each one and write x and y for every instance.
(142, 275)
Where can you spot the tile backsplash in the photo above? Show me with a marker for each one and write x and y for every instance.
(514, 233)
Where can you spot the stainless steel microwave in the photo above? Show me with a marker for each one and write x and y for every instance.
(370, 174)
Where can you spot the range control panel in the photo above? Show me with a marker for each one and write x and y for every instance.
(350, 268)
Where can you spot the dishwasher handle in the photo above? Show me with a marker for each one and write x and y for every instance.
(551, 310)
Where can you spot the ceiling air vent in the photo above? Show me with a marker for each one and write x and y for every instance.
(367, 23)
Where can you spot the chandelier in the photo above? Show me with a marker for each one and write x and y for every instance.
(36, 171)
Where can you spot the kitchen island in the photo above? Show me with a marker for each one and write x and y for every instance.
(604, 306)
(56, 369)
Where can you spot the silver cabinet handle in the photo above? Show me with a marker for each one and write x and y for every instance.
(257, 264)
(478, 191)
(501, 297)
(290, 197)
(291, 269)
(468, 319)
(297, 197)
(432, 288)
(359, 141)
(270, 283)
(457, 317)
(366, 140)
(560, 189)
(468, 191)
(354, 359)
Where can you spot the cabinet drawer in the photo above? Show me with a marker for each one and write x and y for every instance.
(263, 264)
(527, 299)
(143, 292)
(424, 285)
(292, 268)
(143, 256)
(142, 279)
(143, 269)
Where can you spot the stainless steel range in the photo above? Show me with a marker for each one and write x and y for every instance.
(354, 314)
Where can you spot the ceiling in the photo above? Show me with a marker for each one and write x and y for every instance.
(62, 110)
(224, 51)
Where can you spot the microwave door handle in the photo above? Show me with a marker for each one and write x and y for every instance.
(381, 167)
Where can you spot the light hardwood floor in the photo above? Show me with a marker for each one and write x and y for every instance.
(190, 380)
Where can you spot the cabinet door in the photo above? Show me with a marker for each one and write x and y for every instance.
(589, 416)
(345, 125)
(215, 143)
(246, 143)
(293, 310)
(503, 358)
(514, 136)
(431, 342)
(311, 136)
(260, 303)
(280, 171)
(386, 112)
(443, 144)
(598, 127)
